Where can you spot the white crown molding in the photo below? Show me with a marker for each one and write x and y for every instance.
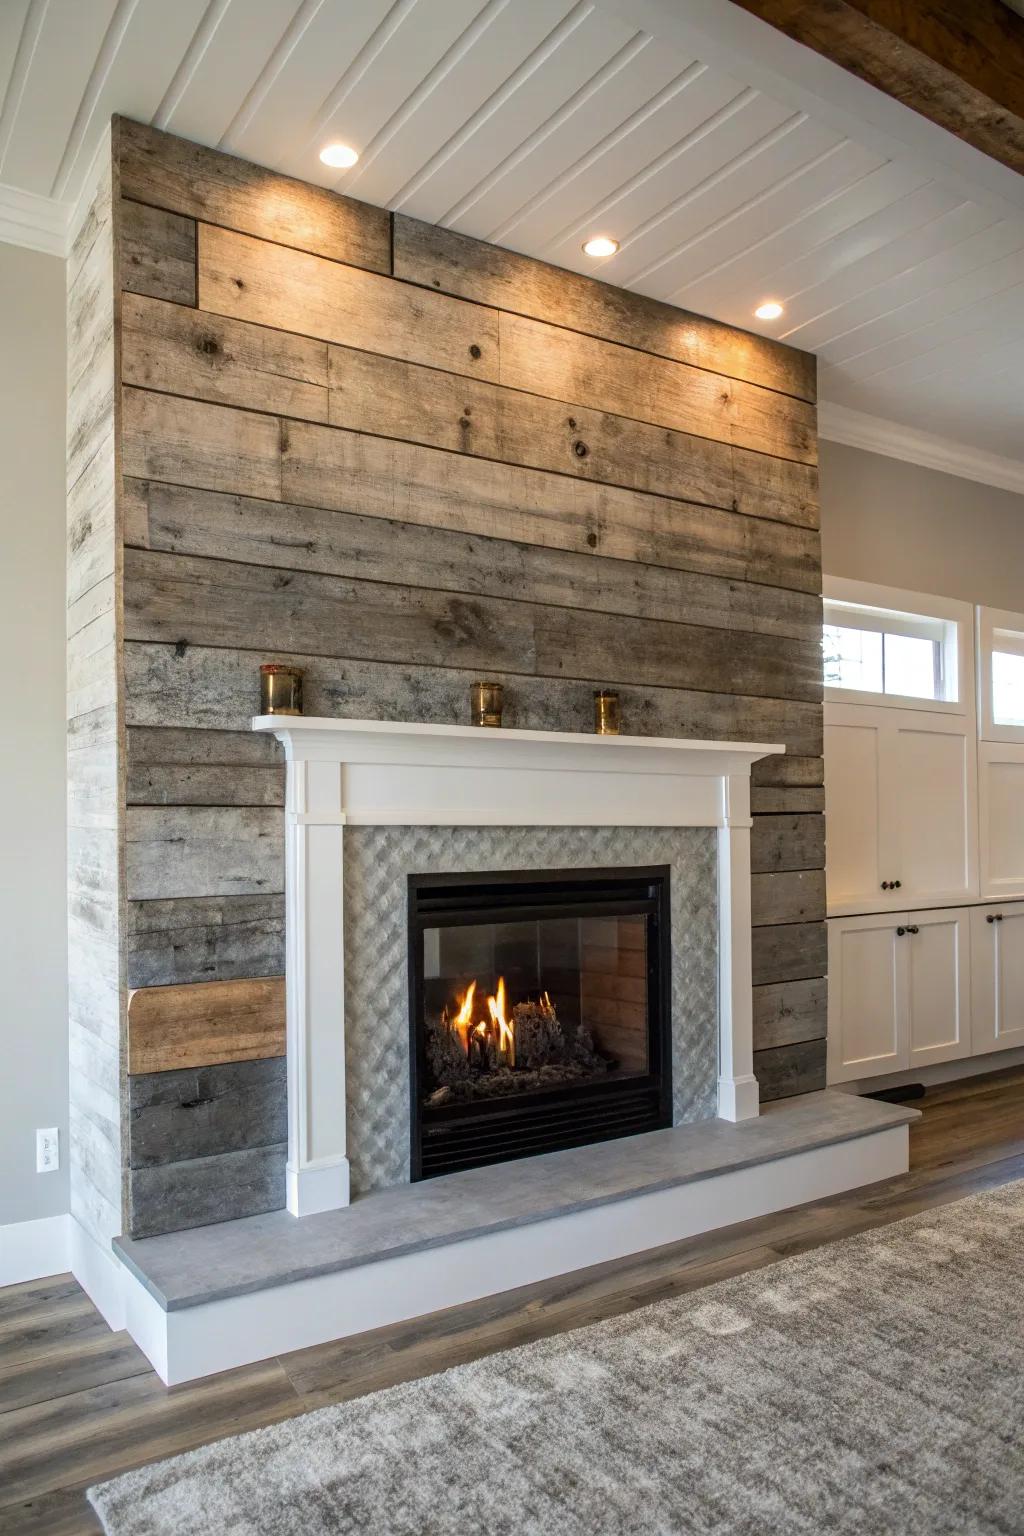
(858, 429)
(39, 223)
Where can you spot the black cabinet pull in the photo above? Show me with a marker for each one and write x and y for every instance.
(896, 884)
(914, 930)
(994, 917)
(999, 917)
(885, 885)
(900, 932)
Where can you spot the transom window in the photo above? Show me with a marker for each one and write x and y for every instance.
(889, 652)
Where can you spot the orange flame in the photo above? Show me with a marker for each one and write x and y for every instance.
(463, 1020)
(506, 1041)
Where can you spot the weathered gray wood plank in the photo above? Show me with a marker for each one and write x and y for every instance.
(567, 366)
(796, 896)
(169, 767)
(173, 173)
(206, 938)
(205, 1111)
(158, 253)
(164, 438)
(224, 603)
(789, 952)
(183, 521)
(205, 1189)
(186, 352)
(203, 851)
(790, 1069)
(788, 1012)
(382, 395)
(772, 800)
(329, 467)
(440, 258)
(787, 842)
(251, 279)
(209, 687)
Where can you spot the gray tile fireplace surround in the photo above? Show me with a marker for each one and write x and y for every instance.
(377, 861)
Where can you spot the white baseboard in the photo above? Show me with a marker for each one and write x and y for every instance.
(30, 1250)
(190, 1342)
(939, 1072)
(100, 1274)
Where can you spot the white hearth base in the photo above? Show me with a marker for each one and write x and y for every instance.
(186, 1337)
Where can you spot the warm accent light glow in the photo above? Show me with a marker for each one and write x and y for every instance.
(340, 156)
(771, 309)
(600, 245)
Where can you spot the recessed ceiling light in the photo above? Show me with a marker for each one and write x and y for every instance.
(340, 156)
(600, 245)
(771, 309)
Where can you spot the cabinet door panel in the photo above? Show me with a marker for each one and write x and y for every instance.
(1001, 790)
(865, 998)
(851, 812)
(938, 985)
(997, 978)
(928, 810)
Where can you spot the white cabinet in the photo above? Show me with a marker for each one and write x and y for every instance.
(997, 976)
(899, 992)
(900, 792)
(1001, 813)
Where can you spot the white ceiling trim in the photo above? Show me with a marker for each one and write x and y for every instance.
(858, 429)
(40, 223)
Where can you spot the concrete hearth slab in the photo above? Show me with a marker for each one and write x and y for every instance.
(238, 1258)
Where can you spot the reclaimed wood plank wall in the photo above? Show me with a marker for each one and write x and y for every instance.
(405, 459)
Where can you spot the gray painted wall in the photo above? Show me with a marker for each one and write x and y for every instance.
(33, 932)
(895, 523)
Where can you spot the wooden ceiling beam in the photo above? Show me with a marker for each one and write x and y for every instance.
(958, 62)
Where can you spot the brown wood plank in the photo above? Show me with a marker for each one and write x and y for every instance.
(158, 253)
(185, 352)
(208, 687)
(197, 1026)
(224, 603)
(787, 842)
(255, 280)
(175, 174)
(788, 1012)
(472, 269)
(347, 471)
(179, 520)
(581, 369)
(390, 398)
(788, 771)
(796, 896)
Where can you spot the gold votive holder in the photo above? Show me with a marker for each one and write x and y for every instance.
(607, 713)
(487, 702)
(280, 689)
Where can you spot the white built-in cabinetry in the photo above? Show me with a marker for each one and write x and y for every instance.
(925, 822)
(900, 794)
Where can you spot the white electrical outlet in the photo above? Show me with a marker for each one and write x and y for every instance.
(48, 1150)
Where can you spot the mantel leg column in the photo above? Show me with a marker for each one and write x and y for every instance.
(318, 1170)
(738, 1092)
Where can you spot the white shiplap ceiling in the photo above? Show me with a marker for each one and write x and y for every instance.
(732, 164)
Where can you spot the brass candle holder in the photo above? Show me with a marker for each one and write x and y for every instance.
(280, 689)
(607, 713)
(487, 700)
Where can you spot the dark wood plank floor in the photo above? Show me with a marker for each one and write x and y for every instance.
(79, 1403)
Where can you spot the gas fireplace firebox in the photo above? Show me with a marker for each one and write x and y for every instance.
(540, 1012)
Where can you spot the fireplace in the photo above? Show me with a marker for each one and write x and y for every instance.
(539, 1011)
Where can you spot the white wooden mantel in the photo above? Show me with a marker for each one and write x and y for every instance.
(373, 773)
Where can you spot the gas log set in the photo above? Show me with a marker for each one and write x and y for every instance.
(478, 1048)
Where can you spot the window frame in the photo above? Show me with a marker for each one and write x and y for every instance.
(957, 624)
(991, 620)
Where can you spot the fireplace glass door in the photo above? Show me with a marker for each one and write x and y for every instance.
(540, 1012)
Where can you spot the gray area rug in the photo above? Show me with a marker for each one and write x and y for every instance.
(874, 1385)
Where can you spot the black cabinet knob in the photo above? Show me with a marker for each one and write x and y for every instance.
(885, 885)
(990, 918)
(999, 917)
(900, 932)
(913, 930)
(896, 884)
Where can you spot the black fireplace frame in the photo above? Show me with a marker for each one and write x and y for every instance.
(440, 900)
